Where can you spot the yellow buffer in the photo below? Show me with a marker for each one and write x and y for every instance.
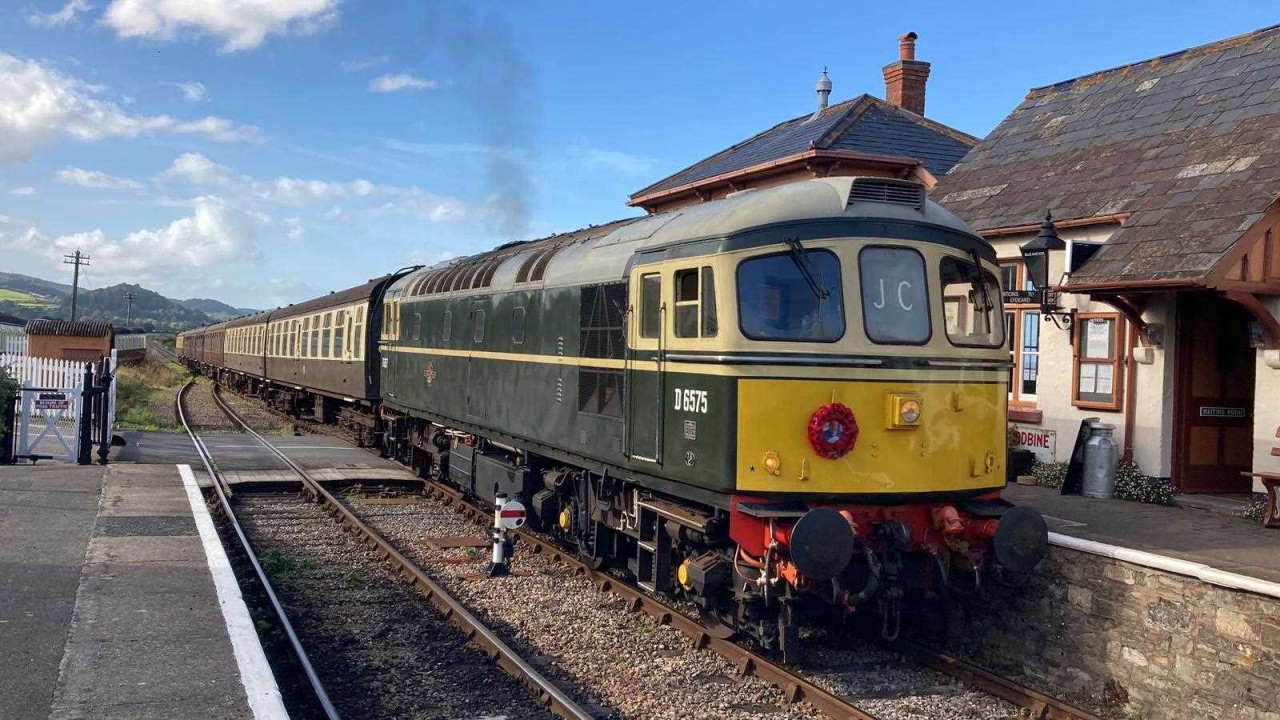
(956, 443)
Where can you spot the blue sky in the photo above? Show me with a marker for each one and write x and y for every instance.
(263, 151)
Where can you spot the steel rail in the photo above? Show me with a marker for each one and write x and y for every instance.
(218, 481)
(497, 650)
(794, 688)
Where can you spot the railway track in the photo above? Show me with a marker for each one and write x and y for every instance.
(794, 685)
(556, 700)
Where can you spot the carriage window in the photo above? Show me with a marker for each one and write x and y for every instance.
(339, 332)
(517, 326)
(650, 304)
(791, 296)
(325, 350)
(357, 335)
(895, 304)
(971, 305)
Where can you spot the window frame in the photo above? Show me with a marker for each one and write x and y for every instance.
(700, 303)
(644, 329)
(996, 311)
(928, 296)
(1117, 361)
(844, 316)
(1020, 312)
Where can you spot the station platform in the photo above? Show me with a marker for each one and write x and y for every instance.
(242, 459)
(1223, 542)
(118, 602)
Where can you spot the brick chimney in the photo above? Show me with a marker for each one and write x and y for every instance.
(904, 80)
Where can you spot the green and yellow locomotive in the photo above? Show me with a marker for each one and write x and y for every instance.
(789, 397)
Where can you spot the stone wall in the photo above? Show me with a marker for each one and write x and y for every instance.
(1140, 642)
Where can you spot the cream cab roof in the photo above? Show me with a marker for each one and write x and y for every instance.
(586, 257)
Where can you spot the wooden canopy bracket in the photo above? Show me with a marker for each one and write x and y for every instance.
(1131, 307)
(1250, 302)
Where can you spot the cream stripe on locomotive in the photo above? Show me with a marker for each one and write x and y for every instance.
(727, 368)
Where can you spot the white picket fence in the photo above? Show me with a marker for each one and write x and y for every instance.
(15, 345)
(43, 372)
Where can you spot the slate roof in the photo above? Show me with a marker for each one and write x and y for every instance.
(67, 328)
(1188, 144)
(864, 124)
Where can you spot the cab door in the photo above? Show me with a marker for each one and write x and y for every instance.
(645, 389)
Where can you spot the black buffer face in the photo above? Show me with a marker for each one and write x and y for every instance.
(821, 543)
(1021, 540)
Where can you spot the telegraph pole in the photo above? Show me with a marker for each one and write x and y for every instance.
(77, 259)
(129, 296)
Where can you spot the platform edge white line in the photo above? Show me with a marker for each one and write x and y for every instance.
(261, 690)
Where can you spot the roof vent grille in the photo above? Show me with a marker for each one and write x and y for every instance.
(894, 192)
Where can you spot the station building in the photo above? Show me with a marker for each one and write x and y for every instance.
(1162, 179)
(78, 340)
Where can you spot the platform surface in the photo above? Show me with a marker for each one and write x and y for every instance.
(1220, 541)
(115, 614)
(243, 460)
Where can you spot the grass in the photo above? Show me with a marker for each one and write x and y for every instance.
(25, 299)
(144, 395)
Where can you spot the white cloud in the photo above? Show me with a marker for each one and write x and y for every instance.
(293, 228)
(168, 257)
(193, 91)
(364, 63)
(96, 179)
(26, 190)
(38, 105)
(64, 16)
(394, 82)
(240, 24)
(197, 170)
(429, 206)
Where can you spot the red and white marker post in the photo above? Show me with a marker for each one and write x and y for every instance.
(507, 515)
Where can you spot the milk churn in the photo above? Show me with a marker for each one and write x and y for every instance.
(1100, 456)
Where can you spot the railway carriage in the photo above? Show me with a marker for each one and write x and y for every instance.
(793, 397)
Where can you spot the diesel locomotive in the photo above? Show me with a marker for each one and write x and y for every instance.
(787, 401)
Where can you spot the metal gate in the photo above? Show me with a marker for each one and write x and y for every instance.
(49, 424)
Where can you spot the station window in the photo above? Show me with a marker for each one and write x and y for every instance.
(1097, 377)
(517, 326)
(650, 305)
(695, 303)
(1022, 334)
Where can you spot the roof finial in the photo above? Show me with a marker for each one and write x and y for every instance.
(824, 91)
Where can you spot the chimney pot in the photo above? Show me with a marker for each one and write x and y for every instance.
(823, 89)
(905, 79)
(907, 46)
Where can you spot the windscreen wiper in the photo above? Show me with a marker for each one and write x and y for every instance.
(802, 264)
(980, 285)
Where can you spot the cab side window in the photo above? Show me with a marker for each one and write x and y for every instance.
(650, 305)
(695, 303)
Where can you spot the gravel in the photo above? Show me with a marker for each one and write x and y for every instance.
(256, 414)
(201, 410)
(380, 648)
(621, 662)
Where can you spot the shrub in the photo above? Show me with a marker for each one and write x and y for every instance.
(1134, 485)
(1050, 475)
(1256, 508)
(9, 387)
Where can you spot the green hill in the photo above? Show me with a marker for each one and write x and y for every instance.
(150, 308)
(214, 308)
